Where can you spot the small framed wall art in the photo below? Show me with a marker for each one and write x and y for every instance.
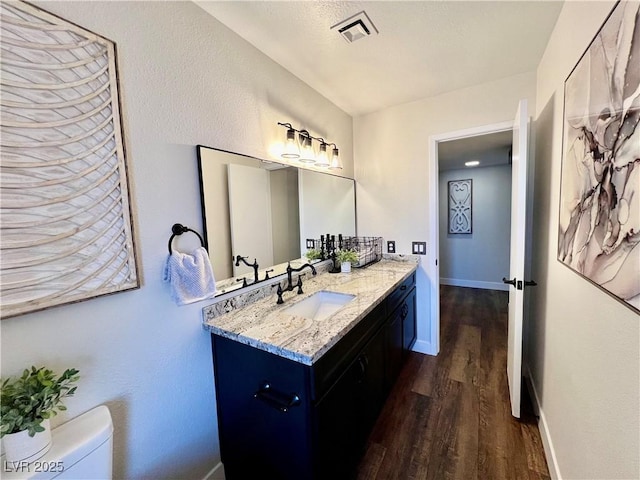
(460, 206)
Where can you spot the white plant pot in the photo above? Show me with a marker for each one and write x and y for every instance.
(345, 267)
(20, 447)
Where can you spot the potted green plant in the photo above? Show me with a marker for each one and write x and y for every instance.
(313, 254)
(26, 405)
(346, 257)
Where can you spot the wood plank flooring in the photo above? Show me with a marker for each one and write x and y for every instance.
(449, 417)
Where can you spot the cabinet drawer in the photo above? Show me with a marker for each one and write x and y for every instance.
(394, 299)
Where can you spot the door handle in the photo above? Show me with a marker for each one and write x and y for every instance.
(530, 283)
(510, 282)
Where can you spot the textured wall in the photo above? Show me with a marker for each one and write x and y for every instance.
(184, 80)
(584, 346)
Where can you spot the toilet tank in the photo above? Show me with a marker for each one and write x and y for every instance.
(82, 449)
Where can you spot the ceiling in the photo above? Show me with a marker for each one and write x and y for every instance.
(423, 48)
(491, 149)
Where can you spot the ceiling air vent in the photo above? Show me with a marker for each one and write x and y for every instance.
(356, 27)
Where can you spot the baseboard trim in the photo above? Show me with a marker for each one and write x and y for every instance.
(455, 282)
(543, 426)
(422, 346)
(216, 473)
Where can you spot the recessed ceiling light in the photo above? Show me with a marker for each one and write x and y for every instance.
(472, 163)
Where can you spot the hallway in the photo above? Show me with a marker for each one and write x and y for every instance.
(449, 416)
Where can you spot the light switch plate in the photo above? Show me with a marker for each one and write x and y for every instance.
(391, 246)
(419, 248)
(311, 243)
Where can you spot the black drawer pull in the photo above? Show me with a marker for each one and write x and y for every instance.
(403, 287)
(363, 362)
(278, 400)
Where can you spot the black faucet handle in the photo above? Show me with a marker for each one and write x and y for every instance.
(266, 274)
(279, 293)
(299, 284)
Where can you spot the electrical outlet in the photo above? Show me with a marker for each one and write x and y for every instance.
(419, 248)
(391, 246)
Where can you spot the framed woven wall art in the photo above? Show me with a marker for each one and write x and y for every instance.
(66, 229)
(460, 206)
(599, 221)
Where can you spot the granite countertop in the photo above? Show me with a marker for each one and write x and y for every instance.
(264, 324)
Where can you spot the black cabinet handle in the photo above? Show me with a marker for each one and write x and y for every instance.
(274, 398)
(403, 287)
(363, 362)
(405, 310)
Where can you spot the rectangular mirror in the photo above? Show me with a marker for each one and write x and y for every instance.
(266, 211)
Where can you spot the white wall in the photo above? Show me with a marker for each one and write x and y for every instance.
(584, 346)
(391, 151)
(480, 259)
(185, 79)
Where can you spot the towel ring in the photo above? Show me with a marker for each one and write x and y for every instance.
(179, 229)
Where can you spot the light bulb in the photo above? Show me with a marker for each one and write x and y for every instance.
(323, 160)
(291, 149)
(336, 164)
(307, 154)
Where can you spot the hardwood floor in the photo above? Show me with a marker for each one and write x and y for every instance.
(449, 417)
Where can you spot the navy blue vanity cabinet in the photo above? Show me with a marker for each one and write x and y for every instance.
(280, 419)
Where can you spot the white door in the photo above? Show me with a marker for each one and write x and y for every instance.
(516, 279)
(250, 216)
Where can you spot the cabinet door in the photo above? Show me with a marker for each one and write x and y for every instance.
(349, 410)
(263, 431)
(409, 321)
(337, 425)
(394, 347)
(373, 384)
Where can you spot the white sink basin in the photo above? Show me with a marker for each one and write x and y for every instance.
(320, 305)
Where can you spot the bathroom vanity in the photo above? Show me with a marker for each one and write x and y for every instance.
(298, 394)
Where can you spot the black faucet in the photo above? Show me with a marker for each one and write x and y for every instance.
(290, 286)
(253, 265)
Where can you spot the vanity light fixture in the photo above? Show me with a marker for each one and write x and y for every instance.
(302, 149)
(472, 163)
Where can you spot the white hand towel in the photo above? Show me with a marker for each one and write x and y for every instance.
(191, 276)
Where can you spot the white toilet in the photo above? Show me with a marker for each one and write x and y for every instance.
(82, 449)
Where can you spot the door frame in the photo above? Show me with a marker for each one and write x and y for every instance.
(433, 219)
